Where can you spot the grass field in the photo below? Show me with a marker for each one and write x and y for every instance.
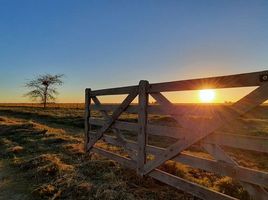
(42, 158)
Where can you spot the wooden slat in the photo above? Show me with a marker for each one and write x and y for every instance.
(189, 187)
(239, 80)
(120, 159)
(252, 143)
(255, 98)
(129, 126)
(142, 123)
(225, 169)
(107, 107)
(119, 136)
(112, 140)
(114, 91)
(103, 112)
(173, 132)
(87, 116)
(195, 110)
(182, 117)
(236, 172)
(239, 141)
(113, 118)
(152, 109)
(179, 183)
(218, 153)
(255, 191)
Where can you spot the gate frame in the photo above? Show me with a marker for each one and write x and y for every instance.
(252, 180)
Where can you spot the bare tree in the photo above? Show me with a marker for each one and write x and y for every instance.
(44, 87)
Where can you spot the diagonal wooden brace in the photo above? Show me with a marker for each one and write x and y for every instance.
(114, 116)
(256, 192)
(120, 138)
(98, 103)
(180, 115)
(253, 99)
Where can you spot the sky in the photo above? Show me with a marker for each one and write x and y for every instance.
(103, 44)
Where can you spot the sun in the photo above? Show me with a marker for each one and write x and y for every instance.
(206, 96)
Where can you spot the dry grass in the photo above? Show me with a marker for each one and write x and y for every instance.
(45, 147)
(49, 105)
(49, 168)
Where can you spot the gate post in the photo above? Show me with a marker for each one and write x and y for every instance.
(87, 116)
(142, 123)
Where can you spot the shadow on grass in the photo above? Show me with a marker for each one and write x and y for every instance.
(50, 164)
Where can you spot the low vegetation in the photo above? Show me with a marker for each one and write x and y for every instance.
(40, 162)
(42, 157)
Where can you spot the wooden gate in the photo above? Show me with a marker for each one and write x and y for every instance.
(146, 159)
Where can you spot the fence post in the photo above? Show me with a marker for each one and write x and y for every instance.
(142, 122)
(87, 116)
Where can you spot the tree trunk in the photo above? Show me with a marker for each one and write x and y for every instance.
(45, 98)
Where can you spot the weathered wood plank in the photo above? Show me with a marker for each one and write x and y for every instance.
(108, 107)
(169, 179)
(238, 141)
(255, 191)
(189, 187)
(113, 118)
(221, 168)
(123, 143)
(152, 109)
(218, 153)
(120, 137)
(142, 123)
(179, 183)
(103, 112)
(114, 91)
(128, 126)
(230, 81)
(182, 117)
(238, 80)
(255, 98)
(120, 159)
(236, 172)
(173, 132)
(87, 116)
(252, 143)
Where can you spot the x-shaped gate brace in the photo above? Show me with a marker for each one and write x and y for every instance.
(193, 133)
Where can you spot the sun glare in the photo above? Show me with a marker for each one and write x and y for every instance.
(206, 96)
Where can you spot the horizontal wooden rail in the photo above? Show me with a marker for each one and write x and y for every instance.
(230, 81)
(152, 129)
(152, 109)
(192, 109)
(232, 140)
(114, 91)
(120, 159)
(187, 186)
(220, 168)
(179, 183)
